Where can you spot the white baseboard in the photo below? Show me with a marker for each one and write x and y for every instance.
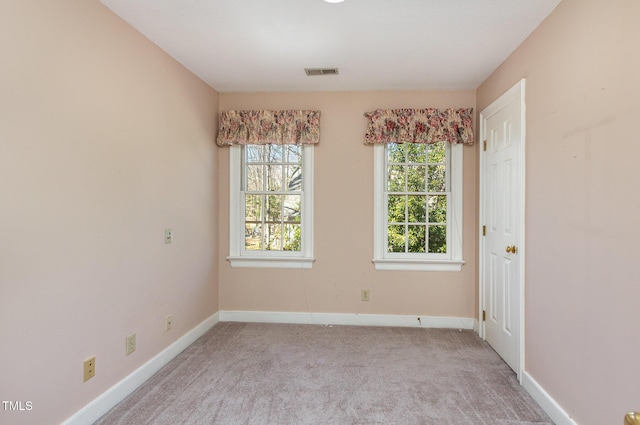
(114, 395)
(347, 319)
(548, 404)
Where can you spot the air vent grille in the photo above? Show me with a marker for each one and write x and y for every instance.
(321, 71)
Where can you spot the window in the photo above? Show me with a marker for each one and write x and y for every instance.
(271, 206)
(418, 206)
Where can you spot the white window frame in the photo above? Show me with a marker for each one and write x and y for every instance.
(238, 256)
(451, 261)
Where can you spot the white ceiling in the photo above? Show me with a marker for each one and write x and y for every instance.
(264, 45)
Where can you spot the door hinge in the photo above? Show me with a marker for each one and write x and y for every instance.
(484, 315)
(484, 145)
(484, 230)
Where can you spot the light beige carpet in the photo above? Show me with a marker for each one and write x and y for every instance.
(248, 373)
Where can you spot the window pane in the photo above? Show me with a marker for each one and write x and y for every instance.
(416, 152)
(255, 178)
(437, 152)
(438, 239)
(292, 237)
(291, 210)
(274, 209)
(437, 209)
(275, 153)
(294, 154)
(396, 238)
(417, 238)
(395, 153)
(273, 238)
(417, 208)
(437, 180)
(253, 207)
(396, 178)
(416, 178)
(253, 153)
(396, 209)
(293, 178)
(253, 237)
(274, 177)
(253, 219)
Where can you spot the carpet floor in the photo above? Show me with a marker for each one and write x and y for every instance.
(250, 373)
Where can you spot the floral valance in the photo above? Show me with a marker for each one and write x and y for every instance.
(269, 127)
(419, 126)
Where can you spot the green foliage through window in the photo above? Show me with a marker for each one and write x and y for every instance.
(416, 198)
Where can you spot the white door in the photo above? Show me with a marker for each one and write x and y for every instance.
(502, 225)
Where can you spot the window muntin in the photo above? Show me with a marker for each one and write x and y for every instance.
(417, 193)
(418, 207)
(272, 197)
(271, 206)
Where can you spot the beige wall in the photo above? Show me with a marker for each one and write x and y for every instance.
(344, 221)
(104, 142)
(582, 288)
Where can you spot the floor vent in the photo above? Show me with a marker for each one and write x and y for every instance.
(321, 71)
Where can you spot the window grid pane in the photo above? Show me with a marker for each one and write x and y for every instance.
(416, 198)
(272, 190)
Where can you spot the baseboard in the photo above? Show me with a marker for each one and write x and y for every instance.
(548, 404)
(114, 395)
(102, 404)
(347, 319)
(107, 400)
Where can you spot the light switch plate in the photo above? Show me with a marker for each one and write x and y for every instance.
(366, 295)
(130, 344)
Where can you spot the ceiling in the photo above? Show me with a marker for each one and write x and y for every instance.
(264, 45)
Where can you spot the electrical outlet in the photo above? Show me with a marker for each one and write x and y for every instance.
(366, 295)
(130, 346)
(168, 235)
(89, 368)
(168, 323)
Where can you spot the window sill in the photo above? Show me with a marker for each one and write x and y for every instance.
(418, 265)
(273, 262)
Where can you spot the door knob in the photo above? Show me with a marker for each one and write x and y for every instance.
(632, 418)
(512, 249)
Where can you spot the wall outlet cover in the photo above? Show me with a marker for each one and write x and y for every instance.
(89, 368)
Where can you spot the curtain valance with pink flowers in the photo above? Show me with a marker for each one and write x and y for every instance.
(425, 126)
(269, 127)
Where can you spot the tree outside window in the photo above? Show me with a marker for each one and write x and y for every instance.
(416, 198)
(272, 190)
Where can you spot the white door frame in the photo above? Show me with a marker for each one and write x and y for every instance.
(518, 88)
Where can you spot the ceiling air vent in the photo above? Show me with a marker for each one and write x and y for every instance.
(321, 71)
